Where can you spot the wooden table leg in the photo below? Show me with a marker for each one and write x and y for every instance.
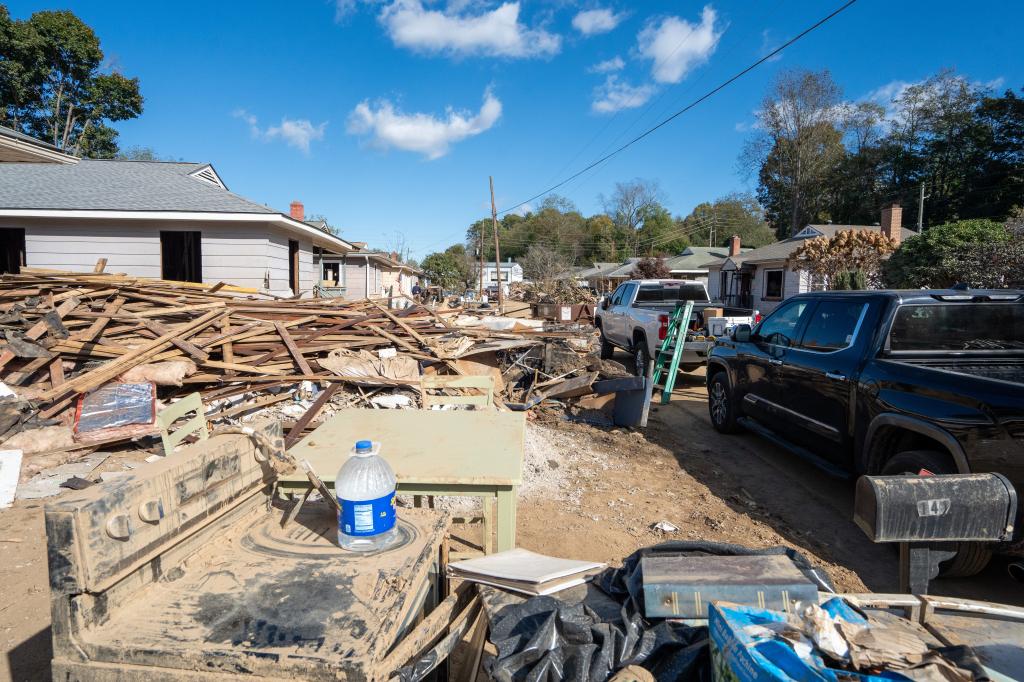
(506, 517)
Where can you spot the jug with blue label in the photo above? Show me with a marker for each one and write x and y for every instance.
(365, 488)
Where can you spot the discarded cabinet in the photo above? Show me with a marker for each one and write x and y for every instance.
(183, 571)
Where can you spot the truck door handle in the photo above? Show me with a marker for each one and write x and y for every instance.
(773, 361)
(835, 376)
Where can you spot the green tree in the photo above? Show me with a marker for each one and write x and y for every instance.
(53, 86)
(963, 252)
(713, 223)
(443, 270)
(797, 147)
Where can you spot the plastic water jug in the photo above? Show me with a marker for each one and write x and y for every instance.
(365, 488)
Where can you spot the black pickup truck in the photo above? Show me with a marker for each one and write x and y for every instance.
(884, 382)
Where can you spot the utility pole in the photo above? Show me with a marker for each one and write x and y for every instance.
(497, 249)
(480, 252)
(920, 210)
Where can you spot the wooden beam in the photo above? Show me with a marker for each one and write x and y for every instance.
(40, 327)
(289, 343)
(296, 431)
(101, 265)
(160, 330)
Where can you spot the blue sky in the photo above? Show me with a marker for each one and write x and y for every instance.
(387, 116)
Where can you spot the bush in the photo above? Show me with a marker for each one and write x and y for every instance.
(965, 252)
(651, 268)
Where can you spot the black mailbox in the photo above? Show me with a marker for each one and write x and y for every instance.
(928, 515)
(978, 507)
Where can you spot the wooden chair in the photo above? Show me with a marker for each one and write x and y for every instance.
(481, 395)
(195, 425)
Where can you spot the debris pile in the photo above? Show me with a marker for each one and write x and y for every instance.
(563, 292)
(88, 360)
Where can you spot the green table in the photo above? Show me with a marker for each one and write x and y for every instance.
(475, 453)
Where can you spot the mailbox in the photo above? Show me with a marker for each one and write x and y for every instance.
(928, 515)
(978, 507)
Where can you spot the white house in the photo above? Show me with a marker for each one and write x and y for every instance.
(171, 220)
(760, 279)
(363, 273)
(510, 272)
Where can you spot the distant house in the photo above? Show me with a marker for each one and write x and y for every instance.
(364, 273)
(692, 262)
(595, 275)
(510, 272)
(171, 220)
(760, 279)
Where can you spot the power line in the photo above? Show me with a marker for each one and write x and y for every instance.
(689, 106)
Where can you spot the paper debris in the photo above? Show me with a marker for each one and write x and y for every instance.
(10, 469)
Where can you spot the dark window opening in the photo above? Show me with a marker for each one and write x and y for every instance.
(773, 284)
(12, 250)
(181, 257)
(293, 265)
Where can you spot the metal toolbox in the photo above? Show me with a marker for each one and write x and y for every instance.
(182, 570)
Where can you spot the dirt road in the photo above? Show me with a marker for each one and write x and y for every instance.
(594, 493)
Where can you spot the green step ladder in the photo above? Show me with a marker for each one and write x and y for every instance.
(671, 350)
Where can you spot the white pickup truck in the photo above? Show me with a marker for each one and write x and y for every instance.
(635, 317)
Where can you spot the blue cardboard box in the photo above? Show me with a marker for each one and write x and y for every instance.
(742, 653)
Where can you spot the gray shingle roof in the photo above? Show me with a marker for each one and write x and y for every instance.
(116, 186)
(18, 135)
(697, 257)
(784, 249)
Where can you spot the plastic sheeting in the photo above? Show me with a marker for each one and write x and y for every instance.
(116, 405)
(545, 638)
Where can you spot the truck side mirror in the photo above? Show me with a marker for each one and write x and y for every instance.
(741, 333)
(605, 302)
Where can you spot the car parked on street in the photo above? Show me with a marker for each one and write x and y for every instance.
(884, 382)
(635, 318)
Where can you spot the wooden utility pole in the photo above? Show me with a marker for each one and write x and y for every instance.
(497, 249)
(480, 250)
(920, 210)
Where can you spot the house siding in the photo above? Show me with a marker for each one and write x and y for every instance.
(239, 253)
(792, 283)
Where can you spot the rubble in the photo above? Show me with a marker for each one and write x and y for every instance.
(249, 355)
(562, 291)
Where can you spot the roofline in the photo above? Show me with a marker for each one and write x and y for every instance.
(278, 219)
(38, 150)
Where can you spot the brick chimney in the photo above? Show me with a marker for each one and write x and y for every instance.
(892, 222)
(297, 210)
(394, 256)
(734, 245)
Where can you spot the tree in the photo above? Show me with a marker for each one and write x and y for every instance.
(798, 145)
(53, 87)
(443, 270)
(972, 252)
(713, 223)
(651, 268)
(542, 265)
(851, 256)
(629, 205)
(465, 265)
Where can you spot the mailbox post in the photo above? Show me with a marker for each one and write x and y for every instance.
(920, 511)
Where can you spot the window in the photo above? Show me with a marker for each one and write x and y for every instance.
(833, 325)
(293, 265)
(12, 250)
(617, 296)
(181, 256)
(780, 327)
(773, 285)
(958, 327)
(670, 293)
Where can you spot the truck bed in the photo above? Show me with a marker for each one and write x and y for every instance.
(1010, 369)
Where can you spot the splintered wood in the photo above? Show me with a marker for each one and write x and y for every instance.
(65, 334)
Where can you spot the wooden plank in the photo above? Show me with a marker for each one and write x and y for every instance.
(137, 356)
(296, 431)
(289, 343)
(97, 326)
(40, 327)
(160, 330)
(101, 265)
(56, 372)
(401, 323)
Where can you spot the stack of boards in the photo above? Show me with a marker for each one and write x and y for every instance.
(524, 571)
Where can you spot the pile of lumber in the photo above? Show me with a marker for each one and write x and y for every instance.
(562, 292)
(65, 334)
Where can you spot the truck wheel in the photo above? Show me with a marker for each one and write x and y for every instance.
(971, 557)
(720, 404)
(640, 357)
(607, 349)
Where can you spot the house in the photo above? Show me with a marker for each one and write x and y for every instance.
(364, 273)
(171, 220)
(595, 275)
(692, 262)
(510, 272)
(760, 278)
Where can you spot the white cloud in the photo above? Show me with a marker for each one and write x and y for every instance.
(494, 33)
(676, 46)
(608, 65)
(296, 132)
(769, 45)
(424, 133)
(593, 22)
(615, 94)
